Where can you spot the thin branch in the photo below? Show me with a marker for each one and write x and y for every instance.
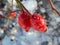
(21, 6)
(53, 7)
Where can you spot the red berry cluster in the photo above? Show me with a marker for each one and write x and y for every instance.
(1, 16)
(24, 21)
(35, 21)
(13, 15)
(38, 23)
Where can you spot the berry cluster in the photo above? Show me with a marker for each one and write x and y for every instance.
(13, 15)
(36, 21)
(1, 16)
(24, 20)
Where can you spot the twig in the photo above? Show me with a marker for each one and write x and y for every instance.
(21, 6)
(53, 7)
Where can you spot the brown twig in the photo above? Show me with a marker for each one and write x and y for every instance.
(8, 13)
(53, 7)
(21, 6)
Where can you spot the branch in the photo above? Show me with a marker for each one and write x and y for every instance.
(21, 6)
(53, 7)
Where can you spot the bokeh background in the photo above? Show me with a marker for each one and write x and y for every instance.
(17, 36)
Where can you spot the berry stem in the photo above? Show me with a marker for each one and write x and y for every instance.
(53, 7)
(22, 7)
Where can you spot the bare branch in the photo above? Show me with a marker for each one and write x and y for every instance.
(53, 7)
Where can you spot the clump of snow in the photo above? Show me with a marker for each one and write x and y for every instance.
(31, 5)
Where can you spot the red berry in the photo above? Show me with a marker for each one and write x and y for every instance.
(24, 21)
(1, 16)
(13, 15)
(38, 23)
